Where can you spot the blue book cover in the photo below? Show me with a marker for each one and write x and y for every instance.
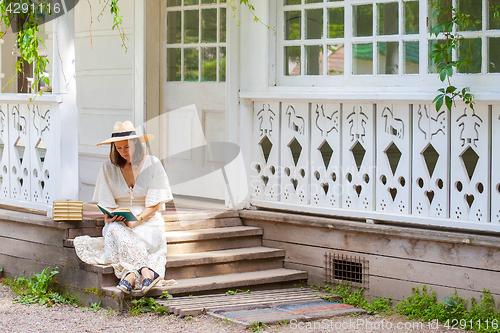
(125, 212)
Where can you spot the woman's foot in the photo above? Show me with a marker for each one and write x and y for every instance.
(149, 279)
(127, 283)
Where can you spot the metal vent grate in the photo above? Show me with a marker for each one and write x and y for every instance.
(339, 268)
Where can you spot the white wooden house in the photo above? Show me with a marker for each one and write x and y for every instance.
(327, 112)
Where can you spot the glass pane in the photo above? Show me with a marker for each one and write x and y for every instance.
(362, 58)
(362, 20)
(336, 22)
(439, 11)
(469, 50)
(410, 57)
(190, 64)
(222, 64)
(172, 3)
(410, 9)
(191, 2)
(292, 24)
(209, 25)
(173, 64)
(191, 26)
(472, 10)
(222, 1)
(223, 25)
(335, 59)
(291, 2)
(432, 66)
(313, 1)
(388, 57)
(314, 24)
(494, 55)
(174, 27)
(208, 1)
(314, 60)
(209, 64)
(292, 60)
(387, 14)
(334, 0)
(494, 14)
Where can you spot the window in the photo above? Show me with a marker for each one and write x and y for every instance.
(325, 41)
(196, 40)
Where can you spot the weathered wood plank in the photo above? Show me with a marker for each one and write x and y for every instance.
(415, 271)
(394, 246)
(15, 266)
(388, 287)
(55, 255)
(32, 232)
(93, 232)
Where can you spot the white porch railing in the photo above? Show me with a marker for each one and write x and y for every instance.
(390, 160)
(30, 151)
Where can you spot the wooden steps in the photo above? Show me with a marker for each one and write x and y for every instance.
(211, 251)
(222, 283)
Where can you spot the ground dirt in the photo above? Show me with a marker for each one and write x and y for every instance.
(20, 318)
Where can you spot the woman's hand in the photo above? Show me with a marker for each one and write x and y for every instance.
(132, 224)
(116, 218)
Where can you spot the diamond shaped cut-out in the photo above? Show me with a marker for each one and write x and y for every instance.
(469, 159)
(326, 152)
(394, 156)
(358, 151)
(431, 157)
(20, 147)
(41, 150)
(266, 145)
(295, 149)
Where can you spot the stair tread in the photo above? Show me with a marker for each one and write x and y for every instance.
(187, 215)
(222, 282)
(211, 233)
(219, 256)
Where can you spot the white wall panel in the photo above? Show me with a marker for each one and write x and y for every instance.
(393, 180)
(265, 170)
(358, 156)
(295, 152)
(326, 188)
(470, 163)
(430, 161)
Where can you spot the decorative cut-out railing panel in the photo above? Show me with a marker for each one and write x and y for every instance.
(30, 150)
(394, 161)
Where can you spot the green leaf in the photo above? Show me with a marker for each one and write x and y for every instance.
(450, 89)
(439, 102)
(448, 102)
(442, 74)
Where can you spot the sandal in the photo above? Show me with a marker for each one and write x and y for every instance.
(147, 283)
(124, 285)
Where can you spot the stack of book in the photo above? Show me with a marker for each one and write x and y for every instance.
(68, 210)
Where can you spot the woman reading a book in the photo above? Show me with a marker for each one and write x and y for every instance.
(135, 246)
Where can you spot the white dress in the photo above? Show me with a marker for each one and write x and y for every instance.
(129, 249)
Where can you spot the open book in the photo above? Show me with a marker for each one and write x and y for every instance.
(125, 212)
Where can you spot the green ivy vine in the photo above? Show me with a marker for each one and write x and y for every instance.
(442, 54)
(28, 38)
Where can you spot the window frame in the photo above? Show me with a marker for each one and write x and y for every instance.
(218, 45)
(423, 79)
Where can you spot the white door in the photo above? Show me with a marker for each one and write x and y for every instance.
(194, 95)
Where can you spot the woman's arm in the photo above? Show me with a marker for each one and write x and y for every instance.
(145, 214)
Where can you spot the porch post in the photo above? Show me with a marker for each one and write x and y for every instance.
(66, 119)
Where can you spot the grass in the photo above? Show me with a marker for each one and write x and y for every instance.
(482, 316)
(146, 305)
(37, 289)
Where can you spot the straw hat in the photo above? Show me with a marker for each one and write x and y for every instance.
(125, 131)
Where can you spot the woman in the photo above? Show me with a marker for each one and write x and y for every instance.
(137, 181)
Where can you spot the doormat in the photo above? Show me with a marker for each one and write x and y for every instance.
(273, 313)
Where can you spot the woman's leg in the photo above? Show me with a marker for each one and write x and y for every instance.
(124, 250)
